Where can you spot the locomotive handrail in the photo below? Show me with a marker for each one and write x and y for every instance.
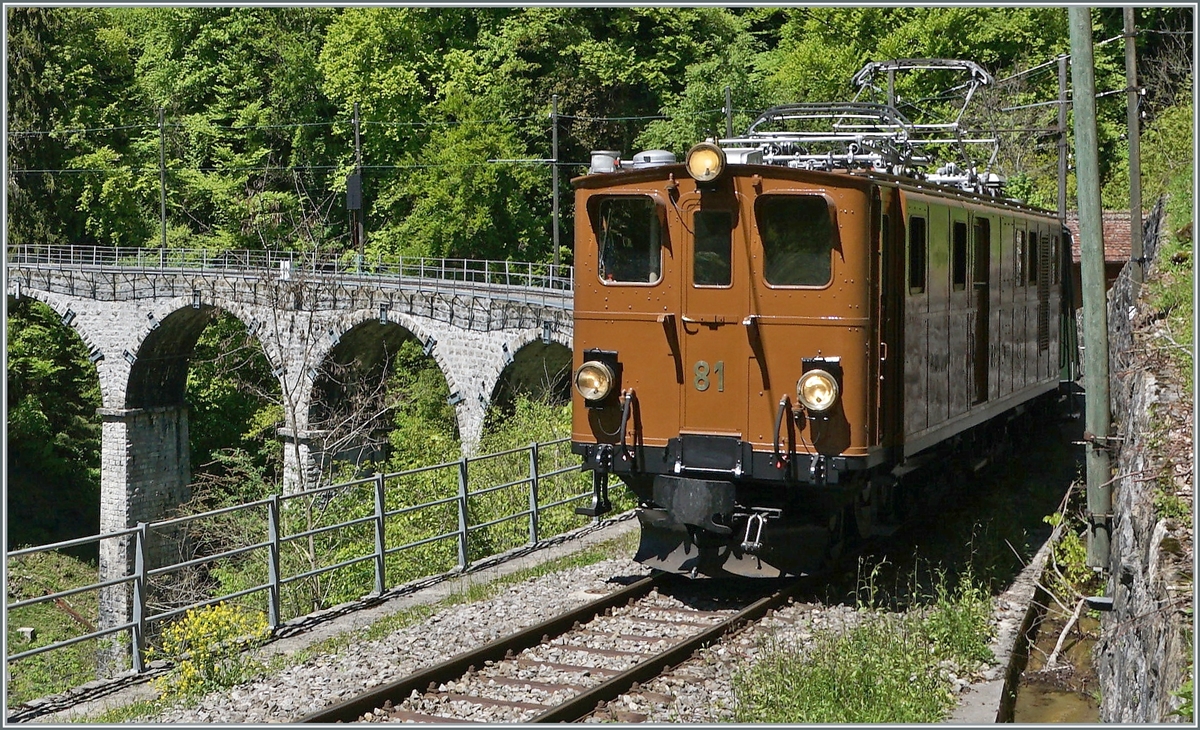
(780, 459)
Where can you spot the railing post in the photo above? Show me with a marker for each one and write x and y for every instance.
(139, 599)
(273, 561)
(379, 535)
(462, 514)
(533, 493)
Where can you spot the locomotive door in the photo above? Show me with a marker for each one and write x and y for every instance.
(981, 282)
(888, 293)
(712, 340)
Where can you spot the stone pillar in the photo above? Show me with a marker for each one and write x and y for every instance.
(301, 462)
(470, 412)
(145, 471)
(472, 363)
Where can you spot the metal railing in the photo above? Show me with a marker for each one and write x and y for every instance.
(525, 479)
(295, 265)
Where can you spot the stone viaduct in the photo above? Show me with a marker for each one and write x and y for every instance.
(141, 314)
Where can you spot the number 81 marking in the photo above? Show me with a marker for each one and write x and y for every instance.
(704, 375)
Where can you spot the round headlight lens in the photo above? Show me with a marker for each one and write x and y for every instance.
(594, 380)
(705, 162)
(817, 390)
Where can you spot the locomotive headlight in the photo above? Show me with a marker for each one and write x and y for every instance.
(817, 390)
(594, 380)
(705, 162)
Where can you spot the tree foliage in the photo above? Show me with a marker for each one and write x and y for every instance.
(258, 105)
(455, 130)
(53, 454)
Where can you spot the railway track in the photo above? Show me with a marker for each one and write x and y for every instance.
(569, 667)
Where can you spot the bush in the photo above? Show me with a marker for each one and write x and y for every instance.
(210, 647)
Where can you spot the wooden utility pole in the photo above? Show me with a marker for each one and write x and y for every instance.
(359, 232)
(1132, 97)
(554, 173)
(1095, 314)
(728, 112)
(162, 174)
(1062, 140)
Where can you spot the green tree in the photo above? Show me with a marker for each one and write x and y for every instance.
(72, 105)
(249, 131)
(53, 457)
(461, 203)
(233, 405)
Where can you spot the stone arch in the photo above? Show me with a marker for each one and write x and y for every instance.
(361, 340)
(523, 351)
(159, 359)
(413, 325)
(81, 326)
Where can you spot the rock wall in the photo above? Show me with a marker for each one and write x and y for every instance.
(1141, 657)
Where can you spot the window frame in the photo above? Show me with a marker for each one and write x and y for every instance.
(1032, 242)
(594, 205)
(959, 255)
(732, 214)
(910, 250)
(834, 234)
(1019, 241)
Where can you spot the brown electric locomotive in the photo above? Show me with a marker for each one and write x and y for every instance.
(768, 334)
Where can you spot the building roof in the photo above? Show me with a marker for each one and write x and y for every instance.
(1115, 227)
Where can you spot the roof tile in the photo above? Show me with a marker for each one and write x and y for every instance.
(1115, 230)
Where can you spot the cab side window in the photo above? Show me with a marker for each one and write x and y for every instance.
(1020, 257)
(629, 238)
(916, 255)
(958, 256)
(797, 237)
(1032, 258)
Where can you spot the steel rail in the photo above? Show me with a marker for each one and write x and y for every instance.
(583, 704)
(455, 667)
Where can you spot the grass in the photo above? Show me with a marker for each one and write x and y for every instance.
(60, 669)
(468, 593)
(888, 668)
(1169, 293)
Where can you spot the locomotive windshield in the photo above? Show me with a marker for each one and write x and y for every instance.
(797, 238)
(714, 241)
(629, 235)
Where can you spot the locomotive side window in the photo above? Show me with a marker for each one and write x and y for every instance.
(1032, 266)
(714, 245)
(797, 239)
(1054, 260)
(916, 255)
(1020, 255)
(629, 235)
(959, 256)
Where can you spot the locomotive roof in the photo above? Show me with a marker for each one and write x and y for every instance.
(856, 178)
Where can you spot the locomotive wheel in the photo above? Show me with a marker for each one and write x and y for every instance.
(866, 509)
(837, 534)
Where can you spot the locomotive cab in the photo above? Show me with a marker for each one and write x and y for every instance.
(724, 365)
